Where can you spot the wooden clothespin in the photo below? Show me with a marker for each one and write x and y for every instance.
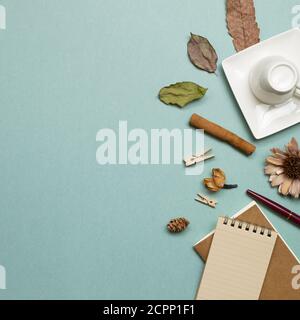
(198, 158)
(205, 200)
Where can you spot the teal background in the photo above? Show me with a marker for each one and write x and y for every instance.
(72, 229)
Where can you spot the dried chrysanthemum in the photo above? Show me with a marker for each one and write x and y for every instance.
(283, 167)
(217, 182)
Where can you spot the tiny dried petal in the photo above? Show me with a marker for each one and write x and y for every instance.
(277, 150)
(219, 177)
(279, 171)
(295, 188)
(210, 185)
(285, 186)
(277, 180)
(294, 144)
(275, 161)
(280, 156)
(270, 169)
(293, 147)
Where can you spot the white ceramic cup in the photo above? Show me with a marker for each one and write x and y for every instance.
(275, 80)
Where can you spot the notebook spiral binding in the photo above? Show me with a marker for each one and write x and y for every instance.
(247, 226)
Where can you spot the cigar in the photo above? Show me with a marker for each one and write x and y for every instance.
(221, 133)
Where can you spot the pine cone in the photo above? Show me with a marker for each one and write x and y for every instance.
(178, 225)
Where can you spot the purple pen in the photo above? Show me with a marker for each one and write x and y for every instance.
(288, 214)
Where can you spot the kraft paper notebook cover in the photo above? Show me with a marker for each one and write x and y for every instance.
(278, 281)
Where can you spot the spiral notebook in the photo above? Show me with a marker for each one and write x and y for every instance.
(277, 282)
(238, 261)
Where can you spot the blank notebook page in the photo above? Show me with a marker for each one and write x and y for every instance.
(237, 262)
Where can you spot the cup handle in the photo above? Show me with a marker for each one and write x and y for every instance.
(297, 91)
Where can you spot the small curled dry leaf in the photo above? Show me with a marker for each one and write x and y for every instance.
(210, 185)
(219, 177)
(217, 182)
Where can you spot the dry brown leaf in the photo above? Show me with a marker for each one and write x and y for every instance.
(202, 54)
(241, 23)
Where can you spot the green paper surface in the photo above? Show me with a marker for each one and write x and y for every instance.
(72, 229)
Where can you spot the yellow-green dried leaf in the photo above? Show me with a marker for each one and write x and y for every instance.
(181, 93)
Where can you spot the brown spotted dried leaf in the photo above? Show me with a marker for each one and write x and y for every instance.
(241, 23)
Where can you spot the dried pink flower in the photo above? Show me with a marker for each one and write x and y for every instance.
(283, 167)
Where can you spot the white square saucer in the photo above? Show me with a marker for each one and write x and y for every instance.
(263, 119)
